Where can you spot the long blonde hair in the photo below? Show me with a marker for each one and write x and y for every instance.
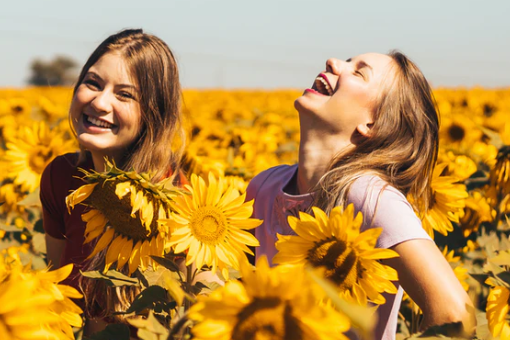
(403, 145)
(152, 66)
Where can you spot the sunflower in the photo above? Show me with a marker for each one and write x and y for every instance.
(124, 212)
(500, 174)
(497, 311)
(349, 257)
(476, 212)
(460, 271)
(270, 303)
(460, 166)
(29, 153)
(457, 129)
(447, 204)
(211, 223)
(33, 305)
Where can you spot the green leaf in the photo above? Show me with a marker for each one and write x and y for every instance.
(493, 136)
(480, 277)
(502, 259)
(10, 228)
(38, 226)
(112, 331)
(167, 263)
(112, 278)
(31, 200)
(39, 242)
(154, 297)
(360, 316)
(449, 329)
(149, 328)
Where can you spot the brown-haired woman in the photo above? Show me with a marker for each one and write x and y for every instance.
(369, 136)
(126, 107)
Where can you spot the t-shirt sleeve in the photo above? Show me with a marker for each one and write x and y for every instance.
(53, 222)
(384, 206)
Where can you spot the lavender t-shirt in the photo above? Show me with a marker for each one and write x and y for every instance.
(381, 205)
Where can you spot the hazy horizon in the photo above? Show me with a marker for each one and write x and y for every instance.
(269, 44)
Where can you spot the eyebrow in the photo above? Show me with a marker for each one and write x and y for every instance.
(96, 76)
(361, 64)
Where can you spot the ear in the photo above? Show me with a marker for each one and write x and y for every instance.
(365, 129)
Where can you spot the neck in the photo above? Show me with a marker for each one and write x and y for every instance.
(99, 160)
(317, 148)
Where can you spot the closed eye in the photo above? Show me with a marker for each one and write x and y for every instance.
(126, 95)
(360, 74)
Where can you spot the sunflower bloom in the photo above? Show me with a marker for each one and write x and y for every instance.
(271, 303)
(497, 310)
(477, 211)
(447, 204)
(349, 257)
(211, 223)
(32, 150)
(123, 216)
(500, 174)
(33, 305)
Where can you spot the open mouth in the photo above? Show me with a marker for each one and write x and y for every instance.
(92, 121)
(322, 85)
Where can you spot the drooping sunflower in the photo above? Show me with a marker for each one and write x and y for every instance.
(447, 204)
(32, 149)
(500, 174)
(477, 211)
(349, 257)
(211, 223)
(124, 211)
(497, 310)
(277, 303)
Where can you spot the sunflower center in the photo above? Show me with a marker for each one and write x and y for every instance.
(39, 158)
(340, 260)
(209, 225)
(456, 133)
(267, 319)
(118, 212)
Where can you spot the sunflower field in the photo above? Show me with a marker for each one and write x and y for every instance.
(155, 246)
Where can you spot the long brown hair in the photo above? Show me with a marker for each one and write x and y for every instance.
(153, 68)
(158, 149)
(403, 144)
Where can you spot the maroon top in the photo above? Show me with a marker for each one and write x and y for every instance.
(59, 178)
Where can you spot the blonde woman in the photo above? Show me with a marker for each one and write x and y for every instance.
(369, 136)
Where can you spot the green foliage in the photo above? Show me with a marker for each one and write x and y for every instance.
(113, 278)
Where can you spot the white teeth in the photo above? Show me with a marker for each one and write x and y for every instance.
(99, 123)
(321, 81)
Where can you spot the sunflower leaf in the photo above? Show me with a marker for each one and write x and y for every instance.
(112, 278)
(31, 200)
(149, 328)
(167, 263)
(112, 331)
(154, 298)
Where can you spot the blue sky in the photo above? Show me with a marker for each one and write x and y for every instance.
(269, 43)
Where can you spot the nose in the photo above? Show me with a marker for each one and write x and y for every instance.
(102, 102)
(334, 65)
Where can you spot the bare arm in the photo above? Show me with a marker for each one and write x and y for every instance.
(429, 280)
(54, 250)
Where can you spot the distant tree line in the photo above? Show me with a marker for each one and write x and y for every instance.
(60, 71)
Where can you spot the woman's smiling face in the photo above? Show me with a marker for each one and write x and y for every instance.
(105, 111)
(346, 94)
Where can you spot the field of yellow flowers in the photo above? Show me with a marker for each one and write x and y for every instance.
(234, 135)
